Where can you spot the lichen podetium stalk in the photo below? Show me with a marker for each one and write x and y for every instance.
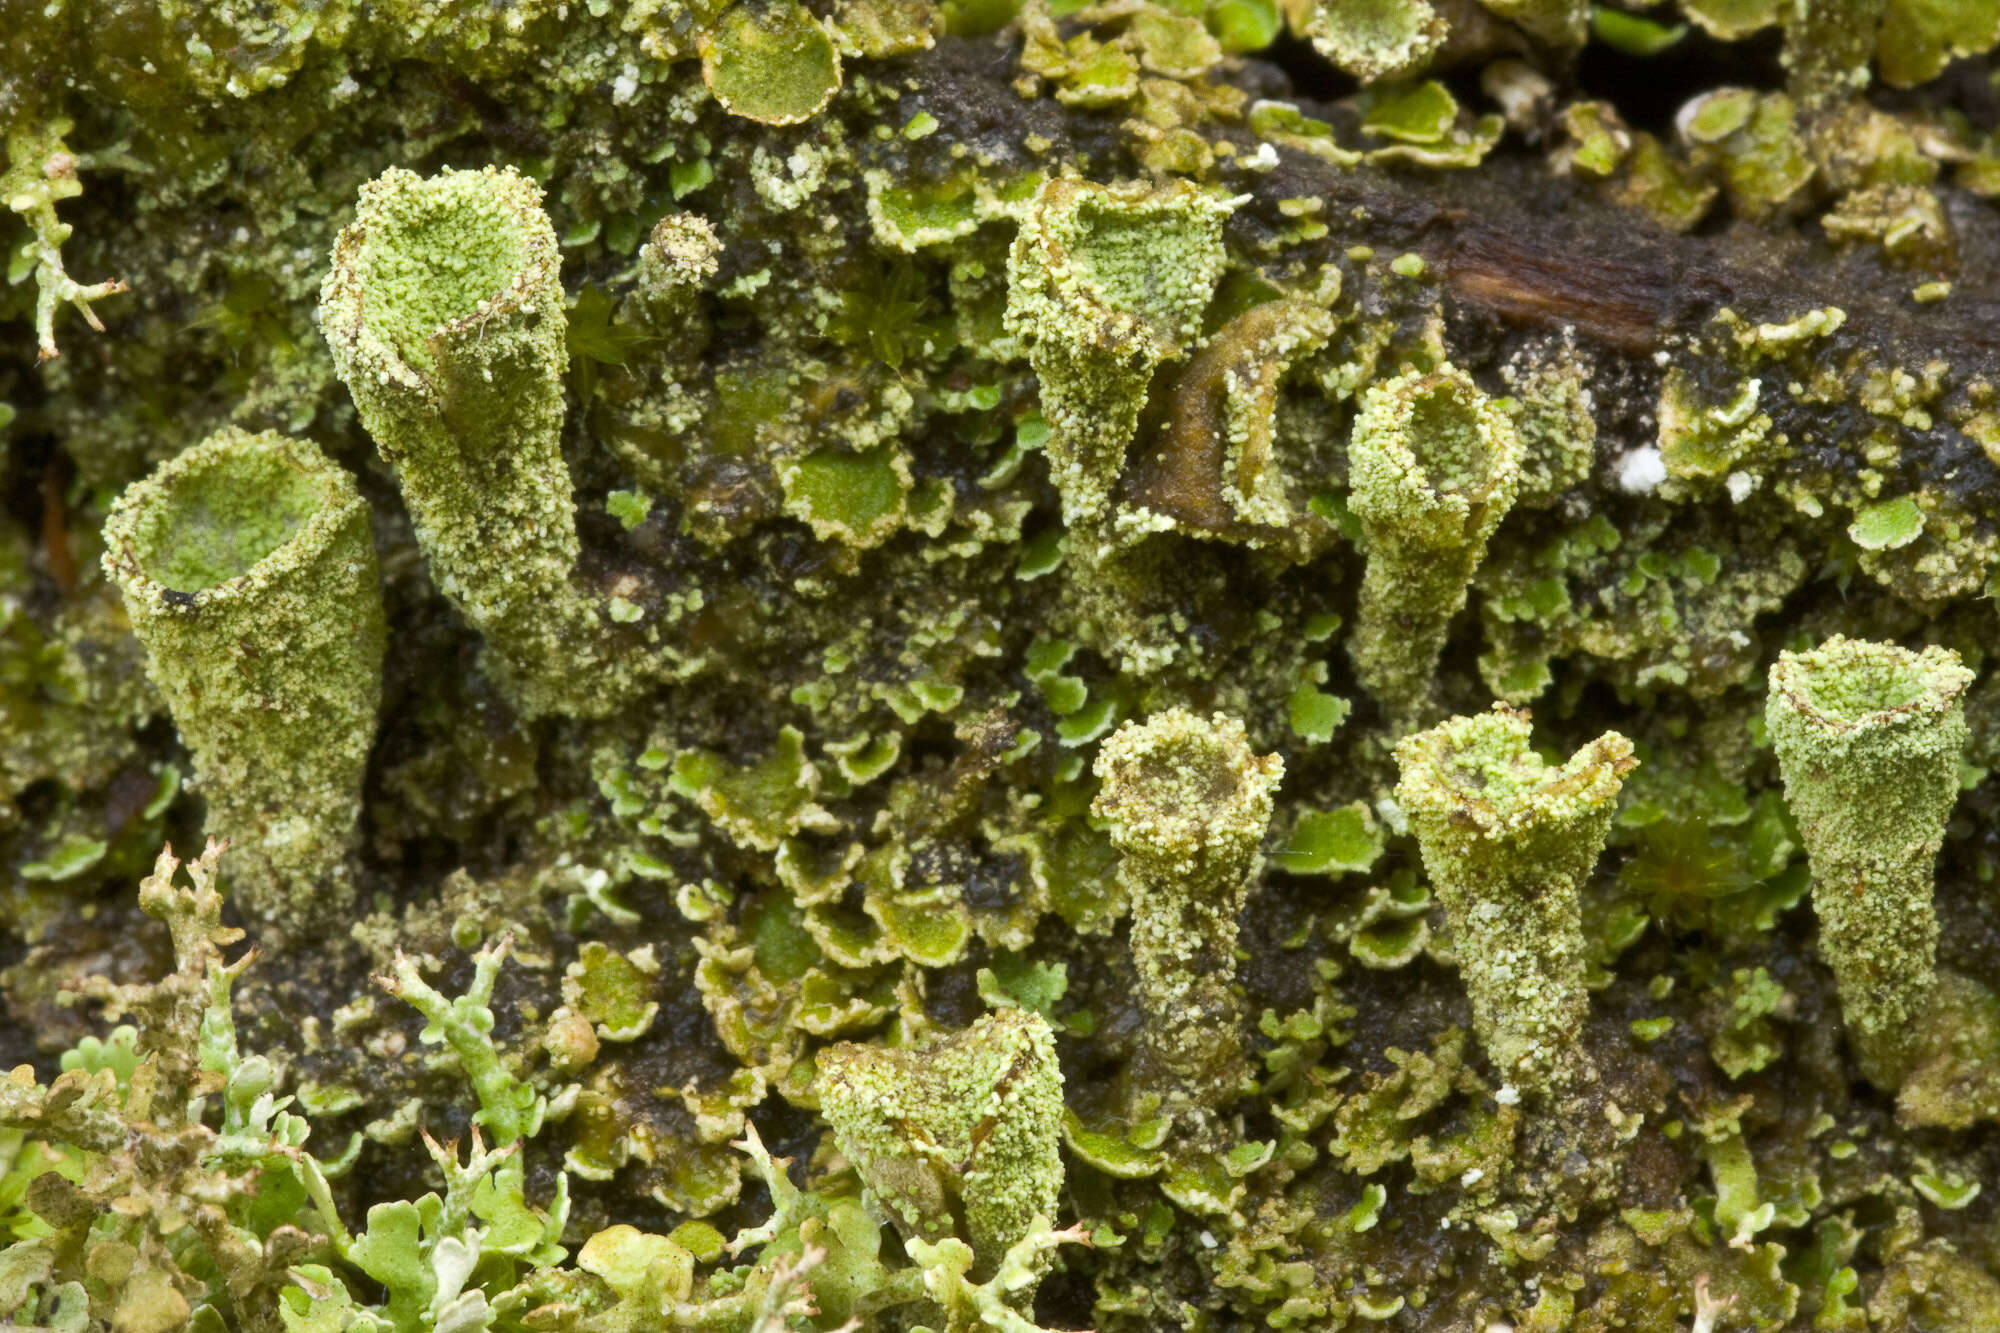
(1868, 737)
(1509, 842)
(1108, 283)
(248, 571)
(1433, 468)
(962, 1134)
(444, 311)
(1187, 803)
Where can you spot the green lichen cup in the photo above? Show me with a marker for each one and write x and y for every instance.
(1509, 841)
(1187, 803)
(962, 1136)
(1433, 468)
(1107, 283)
(1868, 737)
(248, 573)
(444, 312)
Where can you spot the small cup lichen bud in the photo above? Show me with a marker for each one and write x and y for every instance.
(248, 572)
(1432, 469)
(682, 253)
(444, 312)
(1868, 737)
(1509, 842)
(1187, 804)
(966, 1131)
(1108, 282)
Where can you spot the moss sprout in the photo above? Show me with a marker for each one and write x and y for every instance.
(249, 575)
(1434, 466)
(1868, 737)
(444, 310)
(1509, 841)
(1187, 803)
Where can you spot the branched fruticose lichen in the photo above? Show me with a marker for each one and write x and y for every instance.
(41, 172)
(740, 580)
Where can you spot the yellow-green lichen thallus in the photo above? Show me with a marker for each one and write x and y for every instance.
(1509, 841)
(960, 1136)
(444, 312)
(1187, 803)
(1433, 468)
(248, 571)
(1868, 737)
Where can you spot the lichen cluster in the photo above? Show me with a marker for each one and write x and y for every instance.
(999, 665)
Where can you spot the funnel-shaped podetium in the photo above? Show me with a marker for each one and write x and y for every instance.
(1187, 804)
(1106, 283)
(1868, 737)
(1433, 467)
(444, 311)
(249, 575)
(1509, 841)
(962, 1138)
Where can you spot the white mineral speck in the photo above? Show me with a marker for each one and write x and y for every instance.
(1641, 470)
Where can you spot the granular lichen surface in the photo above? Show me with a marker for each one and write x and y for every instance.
(992, 666)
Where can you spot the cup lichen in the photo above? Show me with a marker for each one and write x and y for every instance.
(444, 311)
(1433, 468)
(1108, 282)
(1187, 803)
(1509, 841)
(1868, 737)
(248, 571)
(961, 1135)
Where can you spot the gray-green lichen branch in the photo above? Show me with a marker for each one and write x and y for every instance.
(42, 172)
